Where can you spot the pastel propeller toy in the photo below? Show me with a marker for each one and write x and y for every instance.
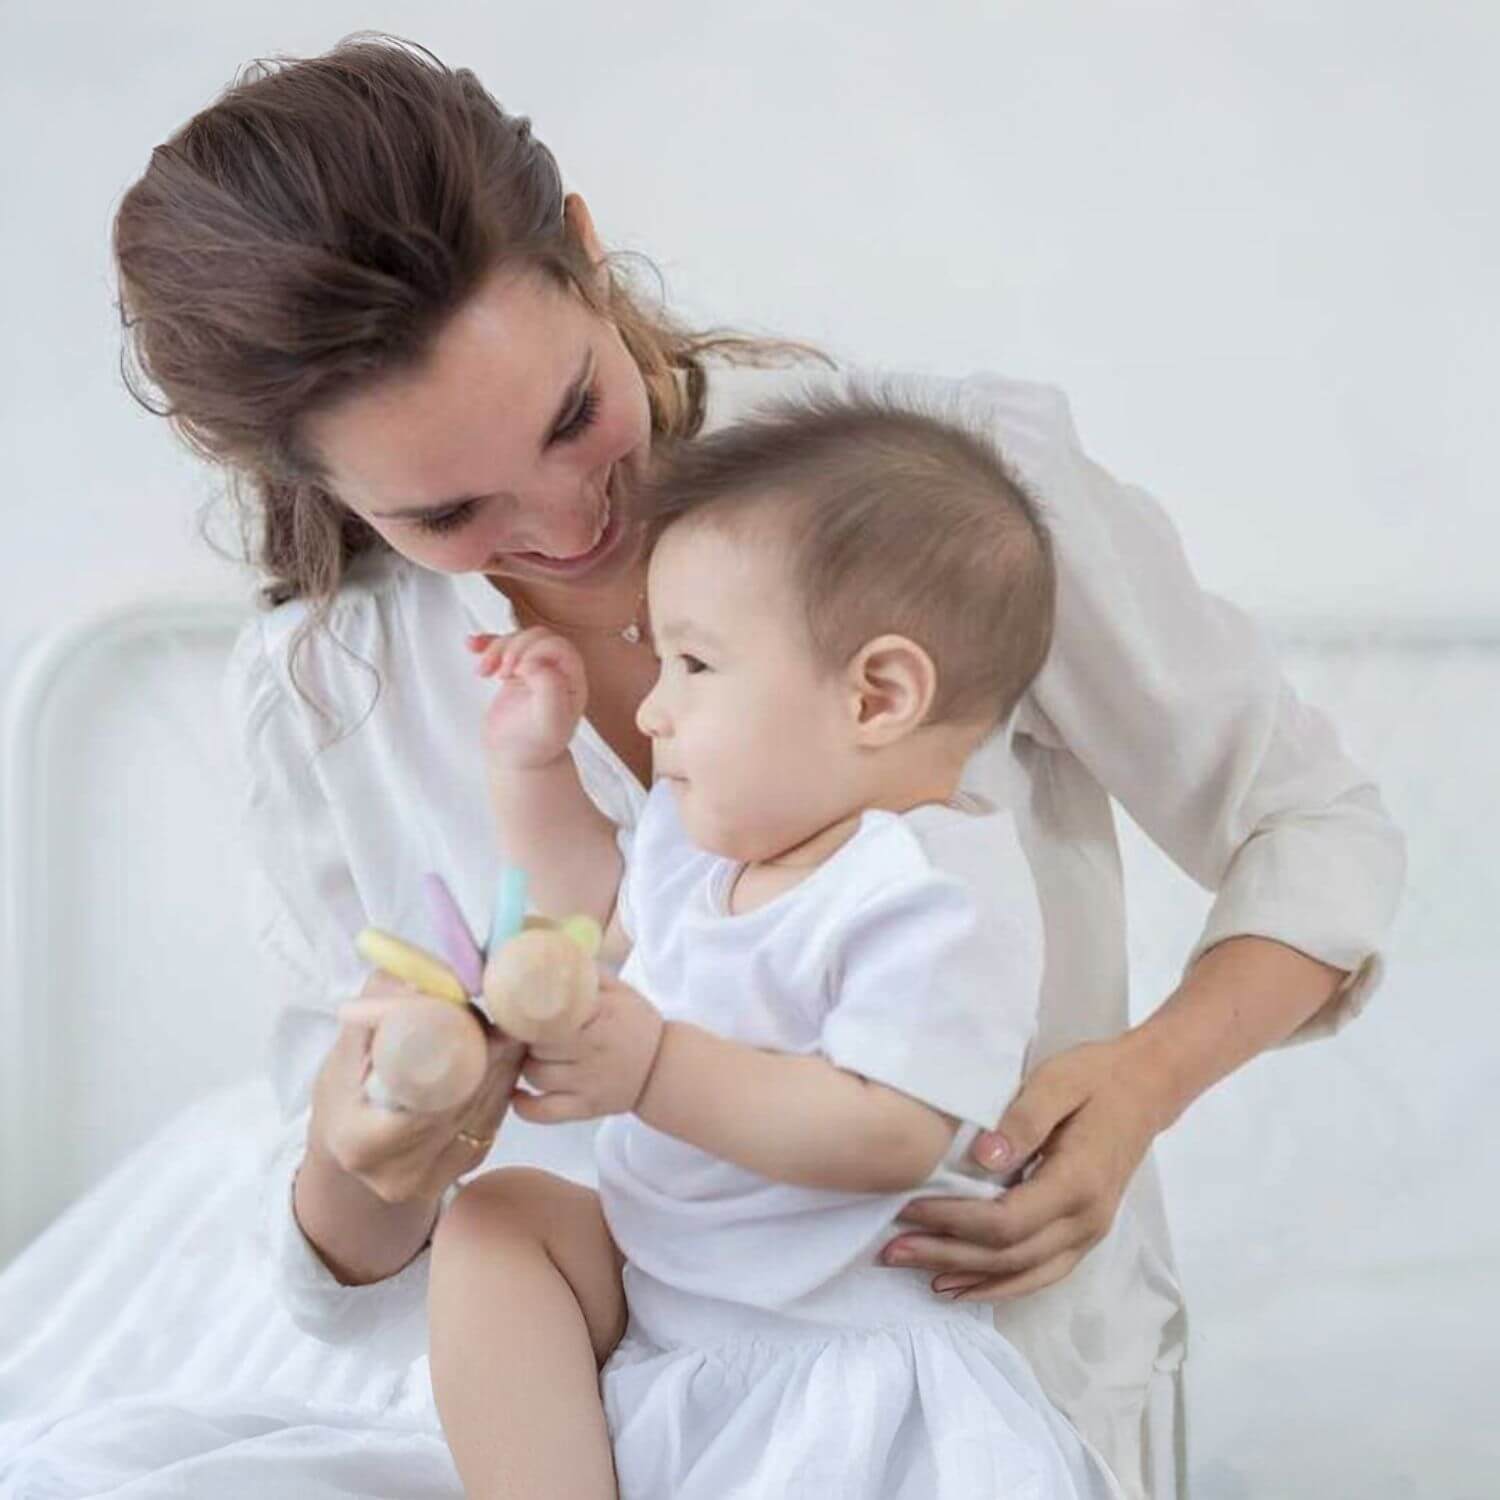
(542, 983)
(538, 983)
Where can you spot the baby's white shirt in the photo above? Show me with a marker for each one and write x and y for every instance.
(911, 957)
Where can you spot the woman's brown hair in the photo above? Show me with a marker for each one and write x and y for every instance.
(310, 233)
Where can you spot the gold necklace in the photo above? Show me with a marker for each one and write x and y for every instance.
(634, 632)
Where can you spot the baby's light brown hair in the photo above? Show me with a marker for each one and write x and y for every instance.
(892, 520)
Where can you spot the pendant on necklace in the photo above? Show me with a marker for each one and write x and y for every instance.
(631, 633)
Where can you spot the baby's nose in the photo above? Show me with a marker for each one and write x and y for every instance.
(649, 718)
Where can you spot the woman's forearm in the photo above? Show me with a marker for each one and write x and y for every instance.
(1242, 996)
(358, 1235)
(795, 1119)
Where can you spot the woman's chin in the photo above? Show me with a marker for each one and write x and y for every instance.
(616, 557)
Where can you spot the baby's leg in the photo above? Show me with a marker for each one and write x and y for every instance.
(526, 1305)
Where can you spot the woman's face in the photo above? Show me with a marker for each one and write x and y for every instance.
(511, 451)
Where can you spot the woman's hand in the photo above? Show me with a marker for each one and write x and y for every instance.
(542, 691)
(602, 1068)
(1085, 1118)
(403, 1156)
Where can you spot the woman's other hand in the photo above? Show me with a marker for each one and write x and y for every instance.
(1083, 1122)
(541, 693)
(403, 1156)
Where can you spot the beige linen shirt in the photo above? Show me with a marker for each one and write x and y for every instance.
(1155, 694)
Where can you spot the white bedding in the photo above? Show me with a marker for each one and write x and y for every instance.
(1331, 1207)
(144, 1353)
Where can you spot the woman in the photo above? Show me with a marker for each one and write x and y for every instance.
(359, 285)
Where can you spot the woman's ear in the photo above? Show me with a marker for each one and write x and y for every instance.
(892, 682)
(581, 222)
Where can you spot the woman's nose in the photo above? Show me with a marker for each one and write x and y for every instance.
(568, 531)
(565, 513)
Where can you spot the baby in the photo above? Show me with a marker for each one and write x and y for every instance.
(830, 964)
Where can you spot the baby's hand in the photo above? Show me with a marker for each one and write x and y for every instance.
(601, 1069)
(541, 692)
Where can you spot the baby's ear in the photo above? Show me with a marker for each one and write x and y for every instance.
(892, 683)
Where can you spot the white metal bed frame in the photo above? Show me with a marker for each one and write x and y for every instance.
(28, 1072)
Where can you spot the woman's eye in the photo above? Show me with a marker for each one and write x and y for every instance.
(448, 520)
(582, 420)
(451, 520)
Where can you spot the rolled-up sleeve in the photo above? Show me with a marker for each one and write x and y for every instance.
(303, 910)
(1175, 702)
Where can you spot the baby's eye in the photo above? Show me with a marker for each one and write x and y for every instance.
(691, 665)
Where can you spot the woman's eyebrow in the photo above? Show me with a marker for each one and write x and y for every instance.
(564, 409)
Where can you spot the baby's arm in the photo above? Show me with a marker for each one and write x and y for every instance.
(934, 999)
(796, 1119)
(550, 828)
(546, 823)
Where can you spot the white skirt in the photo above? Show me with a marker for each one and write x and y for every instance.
(875, 1391)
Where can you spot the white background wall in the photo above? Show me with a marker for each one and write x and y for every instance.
(1257, 244)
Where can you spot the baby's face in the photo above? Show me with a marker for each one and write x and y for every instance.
(756, 742)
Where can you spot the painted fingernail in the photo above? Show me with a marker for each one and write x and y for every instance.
(995, 1151)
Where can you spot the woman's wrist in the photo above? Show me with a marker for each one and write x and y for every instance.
(1241, 997)
(358, 1235)
(1157, 1061)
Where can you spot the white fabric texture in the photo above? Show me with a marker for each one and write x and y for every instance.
(1155, 693)
(870, 1391)
(911, 956)
(158, 1363)
(766, 1350)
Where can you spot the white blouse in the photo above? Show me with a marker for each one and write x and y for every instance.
(1155, 693)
